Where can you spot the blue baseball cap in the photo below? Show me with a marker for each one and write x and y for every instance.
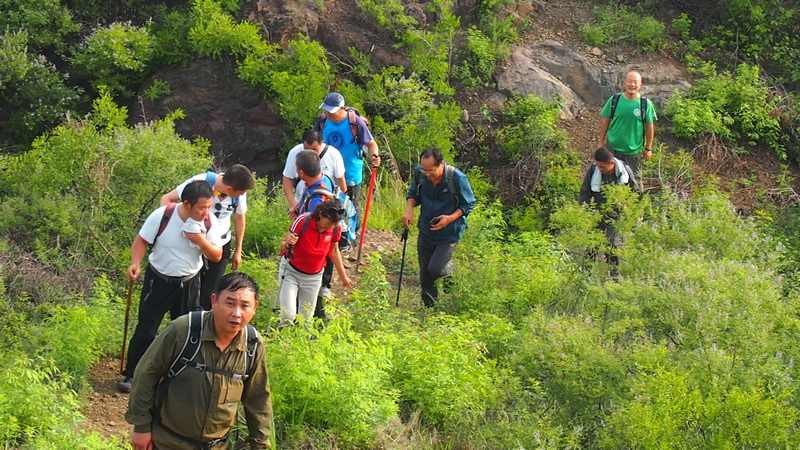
(333, 102)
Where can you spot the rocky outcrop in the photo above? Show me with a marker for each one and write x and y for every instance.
(522, 76)
(241, 126)
(586, 82)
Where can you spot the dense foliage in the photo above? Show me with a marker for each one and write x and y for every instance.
(539, 342)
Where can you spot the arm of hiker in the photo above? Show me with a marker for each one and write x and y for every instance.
(375, 157)
(649, 136)
(170, 197)
(601, 138)
(288, 191)
(288, 240)
(466, 200)
(239, 223)
(138, 249)
(210, 248)
(257, 402)
(408, 213)
(336, 257)
(151, 369)
(342, 184)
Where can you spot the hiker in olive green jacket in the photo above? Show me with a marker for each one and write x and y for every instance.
(180, 404)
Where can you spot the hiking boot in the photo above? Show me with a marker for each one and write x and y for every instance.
(125, 385)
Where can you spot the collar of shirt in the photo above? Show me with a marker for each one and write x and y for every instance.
(209, 334)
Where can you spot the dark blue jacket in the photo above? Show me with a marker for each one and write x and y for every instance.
(438, 200)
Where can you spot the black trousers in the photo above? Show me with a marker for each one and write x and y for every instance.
(210, 275)
(160, 294)
(434, 263)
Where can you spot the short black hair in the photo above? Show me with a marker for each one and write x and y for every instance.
(312, 137)
(234, 281)
(432, 153)
(603, 155)
(239, 177)
(308, 162)
(331, 210)
(196, 190)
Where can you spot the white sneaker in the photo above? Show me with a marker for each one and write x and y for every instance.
(325, 293)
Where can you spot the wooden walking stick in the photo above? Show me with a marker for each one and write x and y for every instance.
(370, 192)
(125, 332)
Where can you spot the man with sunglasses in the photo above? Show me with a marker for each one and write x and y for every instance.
(229, 201)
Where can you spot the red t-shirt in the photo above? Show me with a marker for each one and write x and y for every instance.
(308, 254)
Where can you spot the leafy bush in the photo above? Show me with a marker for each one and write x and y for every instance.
(47, 22)
(736, 107)
(75, 337)
(682, 25)
(337, 381)
(70, 173)
(171, 37)
(215, 34)
(116, 56)
(403, 110)
(443, 372)
(32, 401)
(34, 94)
(267, 219)
(479, 59)
(299, 78)
(389, 14)
(156, 90)
(617, 23)
(530, 128)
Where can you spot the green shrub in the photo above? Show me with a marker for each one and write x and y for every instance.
(338, 381)
(389, 14)
(34, 94)
(403, 110)
(267, 219)
(171, 37)
(531, 128)
(479, 59)
(734, 106)
(299, 78)
(568, 356)
(33, 401)
(75, 337)
(214, 33)
(157, 89)
(443, 372)
(617, 23)
(70, 175)
(682, 25)
(116, 56)
(47, 22)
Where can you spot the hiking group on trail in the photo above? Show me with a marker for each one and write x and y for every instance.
(187, 383)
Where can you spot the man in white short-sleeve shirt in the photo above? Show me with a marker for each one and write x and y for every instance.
(330, 161)
(180, 236)
(229, 201)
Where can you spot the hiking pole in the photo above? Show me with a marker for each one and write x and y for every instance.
(370, 192)
(125, 333)
(404, 238)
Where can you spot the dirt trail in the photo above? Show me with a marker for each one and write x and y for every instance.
(105, 407)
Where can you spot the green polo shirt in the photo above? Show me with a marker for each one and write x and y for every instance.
(625, 133)
(201, 405)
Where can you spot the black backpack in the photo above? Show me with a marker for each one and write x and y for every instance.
(642, 111)
(191, 348)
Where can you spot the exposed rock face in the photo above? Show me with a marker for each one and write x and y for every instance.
(241, 125)
(585, 82)
(522, 76)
